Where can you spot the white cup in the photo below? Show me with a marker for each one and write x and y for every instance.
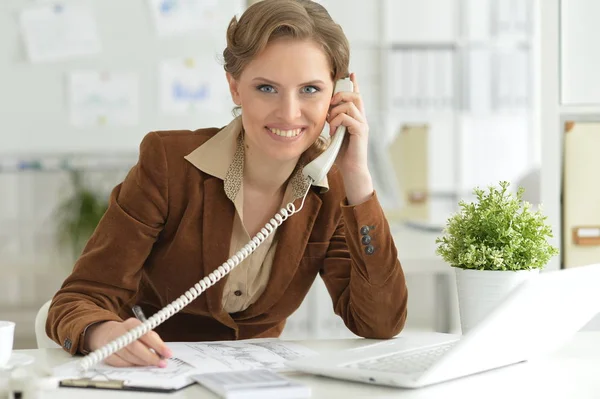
(7, 334)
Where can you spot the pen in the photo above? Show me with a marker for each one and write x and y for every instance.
(139, 314)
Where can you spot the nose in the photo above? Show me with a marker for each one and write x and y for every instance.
(289, 107)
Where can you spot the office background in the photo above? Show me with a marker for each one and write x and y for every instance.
(453, 95)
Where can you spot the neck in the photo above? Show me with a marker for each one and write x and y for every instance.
(266, 175)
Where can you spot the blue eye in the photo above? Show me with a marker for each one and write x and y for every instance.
(266, 88)
(310, 89)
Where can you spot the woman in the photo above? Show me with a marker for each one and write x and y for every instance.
(195, 198)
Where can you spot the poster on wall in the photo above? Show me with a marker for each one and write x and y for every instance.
(99, 98)
(59, 31)
(175, 17)
(192, 84)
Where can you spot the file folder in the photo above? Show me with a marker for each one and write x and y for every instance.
(581, 194)
(409, 157)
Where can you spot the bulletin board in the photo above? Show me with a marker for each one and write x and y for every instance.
(97, 75)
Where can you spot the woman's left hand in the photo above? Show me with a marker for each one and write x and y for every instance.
(347, 109)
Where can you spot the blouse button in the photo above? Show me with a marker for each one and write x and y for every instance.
(238, 293)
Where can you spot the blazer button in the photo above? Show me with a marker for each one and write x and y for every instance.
(366, 240)
(364, 230)
(369, 249)
(238, 293)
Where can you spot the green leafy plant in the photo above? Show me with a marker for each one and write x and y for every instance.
(78, 215)
(498, 231)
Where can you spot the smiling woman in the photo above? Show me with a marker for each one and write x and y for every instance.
(195, 198)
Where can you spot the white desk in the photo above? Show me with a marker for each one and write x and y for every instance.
(571, 372)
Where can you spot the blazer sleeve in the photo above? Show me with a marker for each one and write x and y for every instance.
(107, 274)
(363, 275)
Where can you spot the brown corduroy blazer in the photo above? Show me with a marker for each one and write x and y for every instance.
(168, 225)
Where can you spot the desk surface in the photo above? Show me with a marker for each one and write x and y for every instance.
(571, 372)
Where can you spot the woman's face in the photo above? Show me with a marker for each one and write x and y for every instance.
(285, 94)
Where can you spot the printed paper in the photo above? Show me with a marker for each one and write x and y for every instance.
(194, 84)
(59, 31)
(173, 17)
(102, 98)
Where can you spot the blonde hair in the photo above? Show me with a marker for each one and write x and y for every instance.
(269, 20)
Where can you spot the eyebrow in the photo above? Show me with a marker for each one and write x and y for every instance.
(311, 82)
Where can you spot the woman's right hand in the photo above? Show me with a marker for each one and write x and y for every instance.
(143, 352)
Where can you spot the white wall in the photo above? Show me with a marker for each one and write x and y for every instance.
(33, 102)
(580, 56)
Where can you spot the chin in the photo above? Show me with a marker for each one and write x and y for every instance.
(284, 156)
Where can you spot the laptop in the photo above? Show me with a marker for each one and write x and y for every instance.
(537, 317)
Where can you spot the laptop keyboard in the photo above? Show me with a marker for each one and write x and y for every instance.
(408, 363)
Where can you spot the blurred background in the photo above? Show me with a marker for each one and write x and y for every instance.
(453, 98)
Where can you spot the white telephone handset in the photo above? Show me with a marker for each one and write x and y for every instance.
(315, 171)
(318, 168)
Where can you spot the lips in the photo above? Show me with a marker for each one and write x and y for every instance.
(285, 134)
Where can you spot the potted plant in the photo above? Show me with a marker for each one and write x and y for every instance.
(495, 243)
(78, 215)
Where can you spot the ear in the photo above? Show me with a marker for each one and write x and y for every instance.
(233, 89)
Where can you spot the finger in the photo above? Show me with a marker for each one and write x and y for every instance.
(352, 125)
(346, 96)
(117, 361)
(126, 355)
(131, 322)
(347, 108)
(149, 347)
(360, 104)
(143, 355)
(354, 83)
(153, 340)
(131, 356)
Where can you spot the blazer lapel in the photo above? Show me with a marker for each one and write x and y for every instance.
(293, 237)
(217, 226)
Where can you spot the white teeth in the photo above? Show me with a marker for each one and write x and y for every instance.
(286, 133)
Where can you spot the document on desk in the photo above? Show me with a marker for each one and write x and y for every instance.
(189, 358)
(239, 355)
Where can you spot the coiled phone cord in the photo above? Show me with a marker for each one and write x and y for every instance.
(162, 315)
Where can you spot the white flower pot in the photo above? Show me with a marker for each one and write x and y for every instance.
(480, 291)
